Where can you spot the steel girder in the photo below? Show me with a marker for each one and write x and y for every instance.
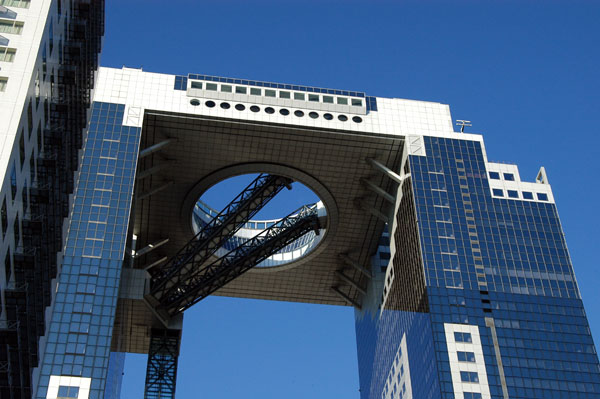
(218, 273)
(214, 235)
(161, 369)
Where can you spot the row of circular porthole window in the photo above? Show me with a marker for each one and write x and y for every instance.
(270, 110)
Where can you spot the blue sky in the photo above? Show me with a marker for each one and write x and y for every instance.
(524, 72)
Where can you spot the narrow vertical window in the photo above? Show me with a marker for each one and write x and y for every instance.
(32, 173)
(7, 265)
(17, 230)
(4, 217)
(25, 196)
(51, 36)
(30, 117)
(44, 61)
(38, 133)
(21, 150)
(13, 181)
(37, 89)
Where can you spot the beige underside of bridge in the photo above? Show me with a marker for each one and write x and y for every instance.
(200, 151)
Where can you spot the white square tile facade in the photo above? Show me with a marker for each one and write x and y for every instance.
(457, 366)
(61, 380)
(398, 384)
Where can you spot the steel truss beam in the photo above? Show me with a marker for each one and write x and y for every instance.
(214, 235)
(161, 370)
(215, 275)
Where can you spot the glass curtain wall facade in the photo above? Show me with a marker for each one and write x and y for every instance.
(491, 308)
(77, 351)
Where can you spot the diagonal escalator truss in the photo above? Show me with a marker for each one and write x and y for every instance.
(215, 275)
(214, 235)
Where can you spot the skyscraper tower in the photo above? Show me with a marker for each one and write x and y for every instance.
(48, 61)
(456, 267)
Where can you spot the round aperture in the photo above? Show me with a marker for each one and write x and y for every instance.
(292, 202)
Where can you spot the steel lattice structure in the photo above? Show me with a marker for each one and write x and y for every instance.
(213, 236)
(213, 276)
(161, 370)
(190, 282)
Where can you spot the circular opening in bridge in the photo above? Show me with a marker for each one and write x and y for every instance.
(291, 203)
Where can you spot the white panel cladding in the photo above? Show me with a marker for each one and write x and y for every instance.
(154, 91)
(57, 381)
(20, 90)
(21, 70)
(521, 187)
(398, 383)
(456, 366)
(133, 116)
(141, 91)
(416, 146)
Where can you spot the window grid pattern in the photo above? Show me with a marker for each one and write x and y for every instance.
(276, 85)
(7, 54)
(79, 334)
(283, 94)
(10, 26)
(381, 329)
(506, 260)
(520, 244)
(15, 3)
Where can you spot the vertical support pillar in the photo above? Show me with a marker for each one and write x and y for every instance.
(161, 370)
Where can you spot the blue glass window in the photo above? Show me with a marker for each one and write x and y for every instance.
(466, 356)
(527, 195)
(67, 392)
(472, 395)
(180, 81)
(513, 194)
(542, 196)
(495, 175)
(469, 376)
(463, 337)
(498, 192)
(509, 177)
